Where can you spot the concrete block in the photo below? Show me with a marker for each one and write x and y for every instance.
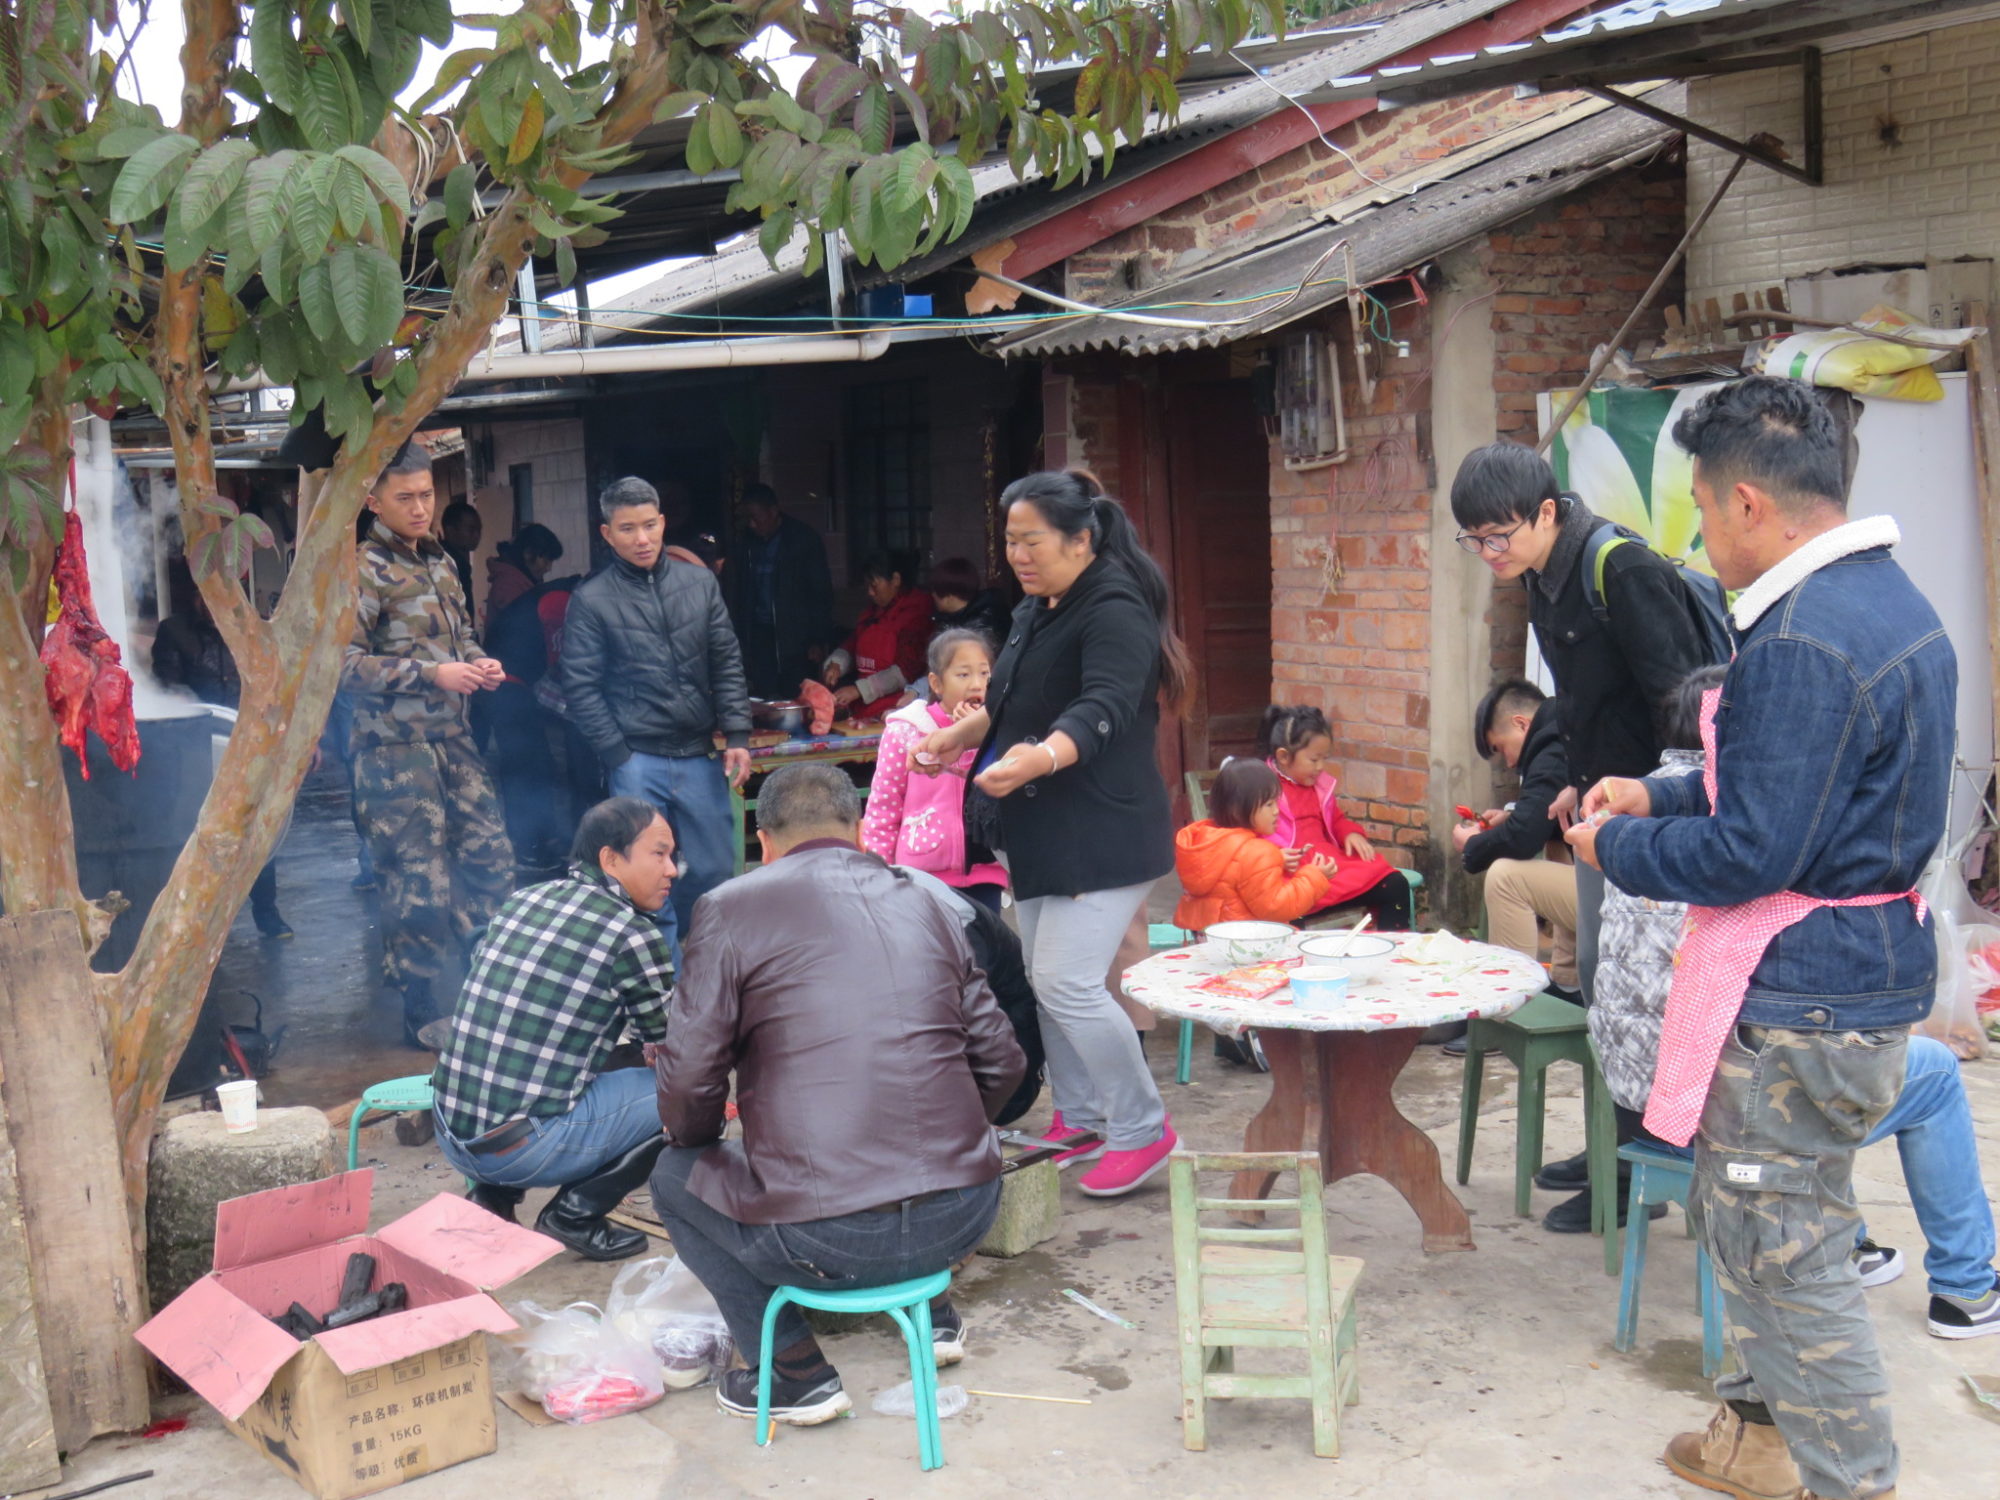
(196, 1164)
(1030, 1211)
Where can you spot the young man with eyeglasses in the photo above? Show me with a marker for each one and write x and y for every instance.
(1615, 668)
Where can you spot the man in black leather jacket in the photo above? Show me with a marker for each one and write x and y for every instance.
(652, 673)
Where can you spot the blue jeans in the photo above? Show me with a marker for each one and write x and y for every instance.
(741, 1263)
(693, 794)
(619, 1110)
(1932, 1123)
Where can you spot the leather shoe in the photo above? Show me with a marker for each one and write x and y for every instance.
(1567, 1175)
(498, 1200)
(1572, 1215)
(575, 1217)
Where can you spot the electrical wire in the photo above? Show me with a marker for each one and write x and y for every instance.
(1326, 140)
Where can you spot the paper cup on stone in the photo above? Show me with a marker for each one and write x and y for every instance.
(239, 1105)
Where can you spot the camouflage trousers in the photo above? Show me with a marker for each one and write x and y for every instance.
(1773, 1199)
(440, 848)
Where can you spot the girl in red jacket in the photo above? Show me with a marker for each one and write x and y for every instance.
(1310, 823)
(886, 652)
(1230, 870)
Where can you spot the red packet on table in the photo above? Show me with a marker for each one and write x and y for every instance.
(1253, 981)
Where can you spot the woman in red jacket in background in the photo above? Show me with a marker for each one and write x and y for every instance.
(886, 652)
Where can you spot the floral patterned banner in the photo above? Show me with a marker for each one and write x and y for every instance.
(1617, 452)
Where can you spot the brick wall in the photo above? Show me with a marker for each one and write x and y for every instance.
(1563, 279)
(1912, 163)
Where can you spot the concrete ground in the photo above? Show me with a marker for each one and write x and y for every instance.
(1489, 1374)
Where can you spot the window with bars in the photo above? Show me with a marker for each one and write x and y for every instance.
(889, 467)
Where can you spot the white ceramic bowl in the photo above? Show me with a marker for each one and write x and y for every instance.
(1248, 942)
(1319, 986)
(1363, 960)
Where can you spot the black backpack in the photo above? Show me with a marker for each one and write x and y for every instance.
(1708, 605)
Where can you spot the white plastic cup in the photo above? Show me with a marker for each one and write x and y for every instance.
(239, 1105)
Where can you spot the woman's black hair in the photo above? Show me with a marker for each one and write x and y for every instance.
(944, 646)
(1510, 695)
(955, 578)
(887, 565)
(1291, 729)
(614, 823)
(1502, 483)
(1241, 787)
(1683, 715)
(1074, 503)
(536, 540)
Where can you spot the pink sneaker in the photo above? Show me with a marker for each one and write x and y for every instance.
(1122, 1171)
(1058, 1132)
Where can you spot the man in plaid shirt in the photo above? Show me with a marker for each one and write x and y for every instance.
(521, 1098)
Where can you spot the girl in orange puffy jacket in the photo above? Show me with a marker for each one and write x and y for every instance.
(1229, 870)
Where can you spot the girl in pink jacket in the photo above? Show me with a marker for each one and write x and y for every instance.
(1298, 743)
(919, 821)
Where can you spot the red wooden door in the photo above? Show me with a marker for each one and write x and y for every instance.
(1219, 484)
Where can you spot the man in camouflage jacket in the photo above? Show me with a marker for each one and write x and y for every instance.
(422, 794)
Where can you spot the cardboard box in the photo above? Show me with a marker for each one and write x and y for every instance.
(357, 1409)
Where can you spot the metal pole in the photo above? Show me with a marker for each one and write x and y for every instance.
(1604, 354)
(836, 277)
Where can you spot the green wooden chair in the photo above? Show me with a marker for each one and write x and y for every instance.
(1198, 783)
(1269, 1287)
(1544, 1031)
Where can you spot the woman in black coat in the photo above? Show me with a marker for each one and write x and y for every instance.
(1067, 751)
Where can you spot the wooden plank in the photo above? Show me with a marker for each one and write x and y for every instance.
(1983, 374)
(27, 1430)
(89, 1296)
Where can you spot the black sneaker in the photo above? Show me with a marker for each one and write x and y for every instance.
(1572, 1215)
(1459, 1045)
(1965, 1317)
(271, 925)
(947, 1335)
(1567, 1175)
(796, 1402)
(1878, 1264)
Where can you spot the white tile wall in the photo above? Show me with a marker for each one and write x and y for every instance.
(1933, 196)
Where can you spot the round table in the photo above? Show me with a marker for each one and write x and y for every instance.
(1333, 1070)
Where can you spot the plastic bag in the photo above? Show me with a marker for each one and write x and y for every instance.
(1848, 359)
(580, 1365)
(664, 1306)
(901, 1401)
(1965, 934)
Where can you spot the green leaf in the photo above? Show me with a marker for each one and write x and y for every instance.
(360, 18)
(700, 154)
(148, 177)
(675, 105)
(353, 203)
(274, 54)
(381, 174)
(916, 169)
(565, 262)
(874, 119)
(278, 349)
(213, 178)
(367, 294)
(264, 200)
(725, 135)
(126, 140)
(188, 240)
(453, 71)
(275, 267)
(956, 178)
(776, 234)
(459, 187)
(323, 111)
(309, 211)
(316, 300)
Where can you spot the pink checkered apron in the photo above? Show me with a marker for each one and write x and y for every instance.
(1721, 947)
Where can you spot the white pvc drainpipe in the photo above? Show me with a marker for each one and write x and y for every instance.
(705, 354)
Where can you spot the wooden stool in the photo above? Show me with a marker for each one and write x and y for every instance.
(1233, 1291)
(1545, 1030)
(1661, 1177)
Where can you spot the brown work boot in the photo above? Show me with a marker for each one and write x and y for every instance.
(1744, 1459)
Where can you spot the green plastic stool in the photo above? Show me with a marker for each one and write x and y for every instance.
(1160, 936)
(1545, 1030)
(397, 1096)
(909, 1303)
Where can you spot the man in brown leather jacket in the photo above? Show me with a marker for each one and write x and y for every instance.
(870, 1057)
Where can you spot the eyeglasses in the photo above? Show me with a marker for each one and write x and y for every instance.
(1495, 542)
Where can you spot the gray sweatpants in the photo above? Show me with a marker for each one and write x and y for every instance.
(1097, 1070)
(1773, 1199)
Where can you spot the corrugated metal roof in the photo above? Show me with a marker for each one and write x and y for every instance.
(1649, 39)
(1384, 239)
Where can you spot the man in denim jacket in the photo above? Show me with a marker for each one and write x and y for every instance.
(1833, 749)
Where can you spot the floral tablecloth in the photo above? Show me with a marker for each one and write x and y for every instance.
(1486, 981)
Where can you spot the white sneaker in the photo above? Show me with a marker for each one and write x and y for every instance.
(1878, 1264)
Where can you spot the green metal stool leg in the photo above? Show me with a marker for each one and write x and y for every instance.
(1184, 1071)
(1635, 1261)
(354, 1137)
(916, 1325)
(765, 1354)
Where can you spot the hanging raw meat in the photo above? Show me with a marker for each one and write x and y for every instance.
(87, 685)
